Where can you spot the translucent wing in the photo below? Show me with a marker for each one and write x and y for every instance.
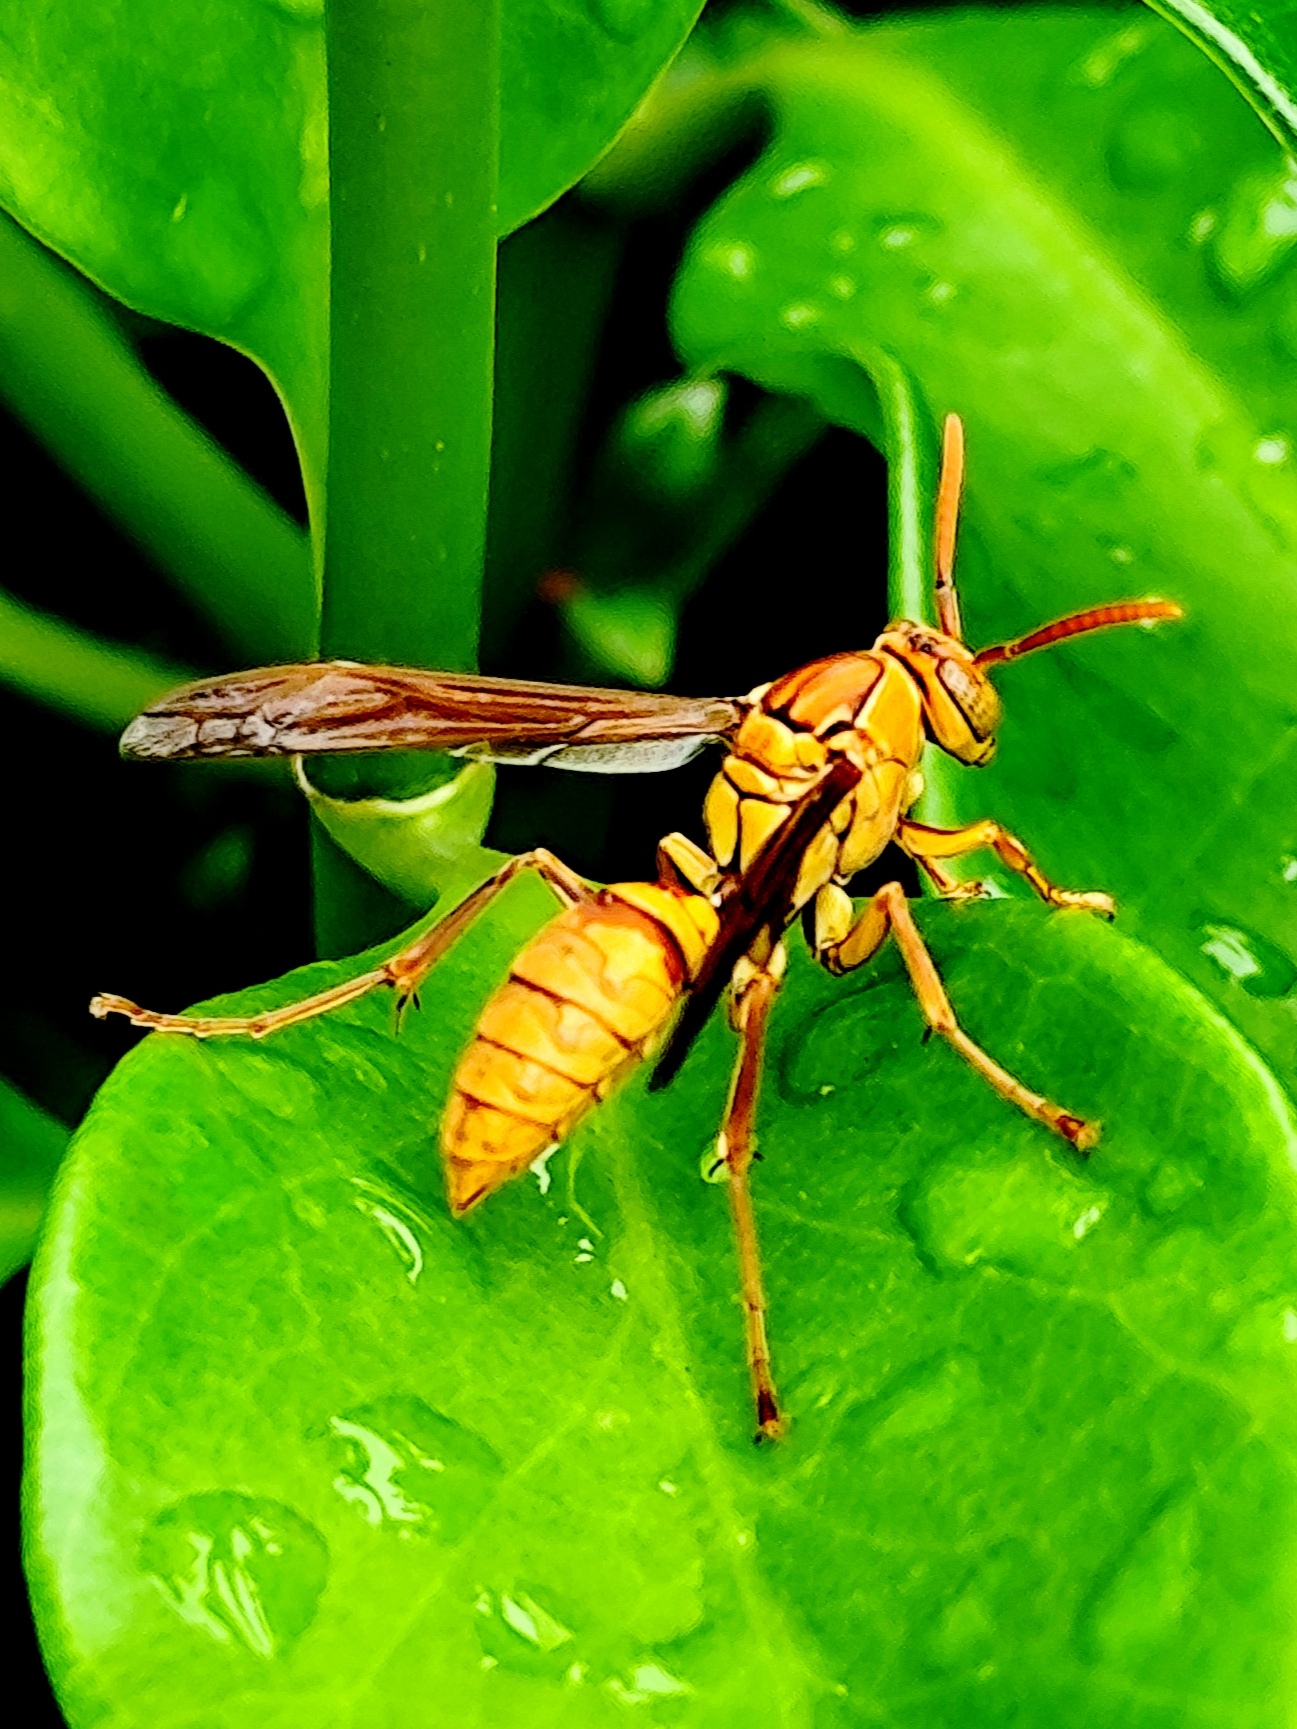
(340, 705)
(762, 898)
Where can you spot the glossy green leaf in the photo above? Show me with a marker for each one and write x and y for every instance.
(177, 153)
(1255, 45)
(31, 1144)
(411, 845)
(1082, 260)
(306, 1451)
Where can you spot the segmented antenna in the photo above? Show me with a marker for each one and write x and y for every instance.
(950, 489)
(1078, 624)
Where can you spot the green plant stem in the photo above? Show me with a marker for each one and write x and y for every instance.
(413, 128)
(102, 684)
(413, 99)
(69, 374)
(911, 495)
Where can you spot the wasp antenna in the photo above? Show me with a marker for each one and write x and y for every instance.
(949, 492)
(1078, 624)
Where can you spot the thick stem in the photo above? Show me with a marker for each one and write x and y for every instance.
(413, 124)
(413, 97)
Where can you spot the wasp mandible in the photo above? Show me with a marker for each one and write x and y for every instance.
(820, 773)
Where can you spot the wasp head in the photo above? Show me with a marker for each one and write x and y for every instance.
(961, 710)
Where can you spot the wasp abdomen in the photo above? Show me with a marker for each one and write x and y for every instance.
(581, 1002)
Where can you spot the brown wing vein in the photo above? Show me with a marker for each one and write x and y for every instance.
(337, 706)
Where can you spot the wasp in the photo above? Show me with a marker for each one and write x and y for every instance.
(820, 772)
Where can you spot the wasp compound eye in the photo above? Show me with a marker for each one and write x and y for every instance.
(977, 701)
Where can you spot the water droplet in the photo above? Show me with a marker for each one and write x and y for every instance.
(1203, 226)
(647, 1684)
(734, 257)
(843, 1042)
(399, 1222)
(1103, 62)
(901, 232)
(1137, 1609)
(585, 1251)
(624, 20)
(1259, 966)
(842, 242)
(801, 177)
(1018, 1214)
(668, 1487)
(238, 1568)
(526, 1628)
(410, 1468)
(798, 314)
(923, 1401)
(619, 1291)
(1257, 230)
(1288, 868)
(942, 292)
(842, 287)
(1272, 450)
(1168, 1187)
(712, 1162)
(1151, 145)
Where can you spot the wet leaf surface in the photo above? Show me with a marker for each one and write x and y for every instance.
(308, 1453)
(1090, 261)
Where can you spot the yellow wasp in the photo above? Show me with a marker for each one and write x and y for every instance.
(820, 772)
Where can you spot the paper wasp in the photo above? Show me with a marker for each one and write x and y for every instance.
(820, 772)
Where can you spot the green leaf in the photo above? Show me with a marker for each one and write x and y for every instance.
(31, 1144)
(412, 844)
(1080, 260)
(102, 684)
(307, 1451)
(68, 372)
(1255, 45)
(177, 152)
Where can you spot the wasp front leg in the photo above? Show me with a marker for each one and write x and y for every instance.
(927, 846)
(843, 941)
(404, 972)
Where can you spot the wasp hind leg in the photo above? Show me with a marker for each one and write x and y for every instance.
(843, 942)
(404, 971)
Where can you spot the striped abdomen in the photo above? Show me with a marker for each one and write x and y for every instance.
(581, 1003)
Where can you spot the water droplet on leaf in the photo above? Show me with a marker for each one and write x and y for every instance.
(1259, 966)
(1153, 143)
(400, 1223)
(407, 1467)
(800, 177)
(1257, 230)
(238, 1568)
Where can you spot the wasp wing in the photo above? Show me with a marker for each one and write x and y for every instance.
(761, 899)
(339, 705)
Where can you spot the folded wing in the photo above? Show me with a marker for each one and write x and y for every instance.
(335, 706)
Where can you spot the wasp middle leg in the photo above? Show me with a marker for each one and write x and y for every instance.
(404, 971)
(843, 941)
(929, 845)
